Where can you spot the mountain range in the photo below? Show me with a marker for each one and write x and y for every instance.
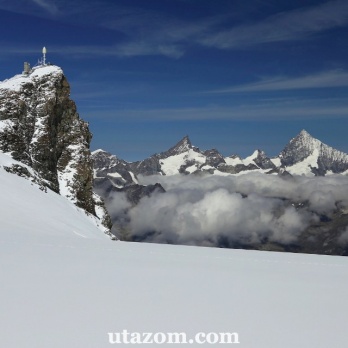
(303, 157)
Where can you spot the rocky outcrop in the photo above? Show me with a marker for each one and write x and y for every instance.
(263, 161)
(182, 146)
(40, 127)
(214, 158)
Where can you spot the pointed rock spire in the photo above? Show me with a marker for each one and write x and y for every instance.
(182, 146)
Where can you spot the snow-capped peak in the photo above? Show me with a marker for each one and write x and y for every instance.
(305, 154)
(304, 133)
(182, 146)
(305, 139)
(251, 158)
(18, 81)
(299, 147)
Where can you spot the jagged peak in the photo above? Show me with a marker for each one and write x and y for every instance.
(182, 146)
(259, 152)
(102, 155)
(253, 156)
(185, 141)
(256, 154)
(304, 133)
(323, 156)
(305, 140)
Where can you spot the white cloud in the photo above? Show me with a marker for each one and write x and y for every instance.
(325, 79)
(154, 29)
(286, 26)
(343, 238)
(149, 32)
(234, 210)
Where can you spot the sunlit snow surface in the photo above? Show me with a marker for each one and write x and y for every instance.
(66, 284)
(171, 165)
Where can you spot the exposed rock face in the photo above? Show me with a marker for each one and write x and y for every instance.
(238, 168)
(214, 158)
(182, 146)
(149, 166)
(40, 127)
(262, 161)
(110, 167)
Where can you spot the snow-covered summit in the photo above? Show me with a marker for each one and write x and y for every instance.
(307, 155)
(17, 82)
(303, 144)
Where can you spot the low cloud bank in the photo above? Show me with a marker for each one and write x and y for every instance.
(231, 211)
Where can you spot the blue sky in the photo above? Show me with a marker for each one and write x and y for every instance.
(233, 75)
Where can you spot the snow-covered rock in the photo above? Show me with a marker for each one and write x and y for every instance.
(40, 128)
(304, 155)
(32, 212)
(307, 155)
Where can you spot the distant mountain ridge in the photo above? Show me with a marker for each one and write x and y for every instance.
(303, 155)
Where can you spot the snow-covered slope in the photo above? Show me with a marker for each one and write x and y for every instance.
(65, 284)
(29, 212)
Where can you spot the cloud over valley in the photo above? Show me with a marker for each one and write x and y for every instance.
(231, 211)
